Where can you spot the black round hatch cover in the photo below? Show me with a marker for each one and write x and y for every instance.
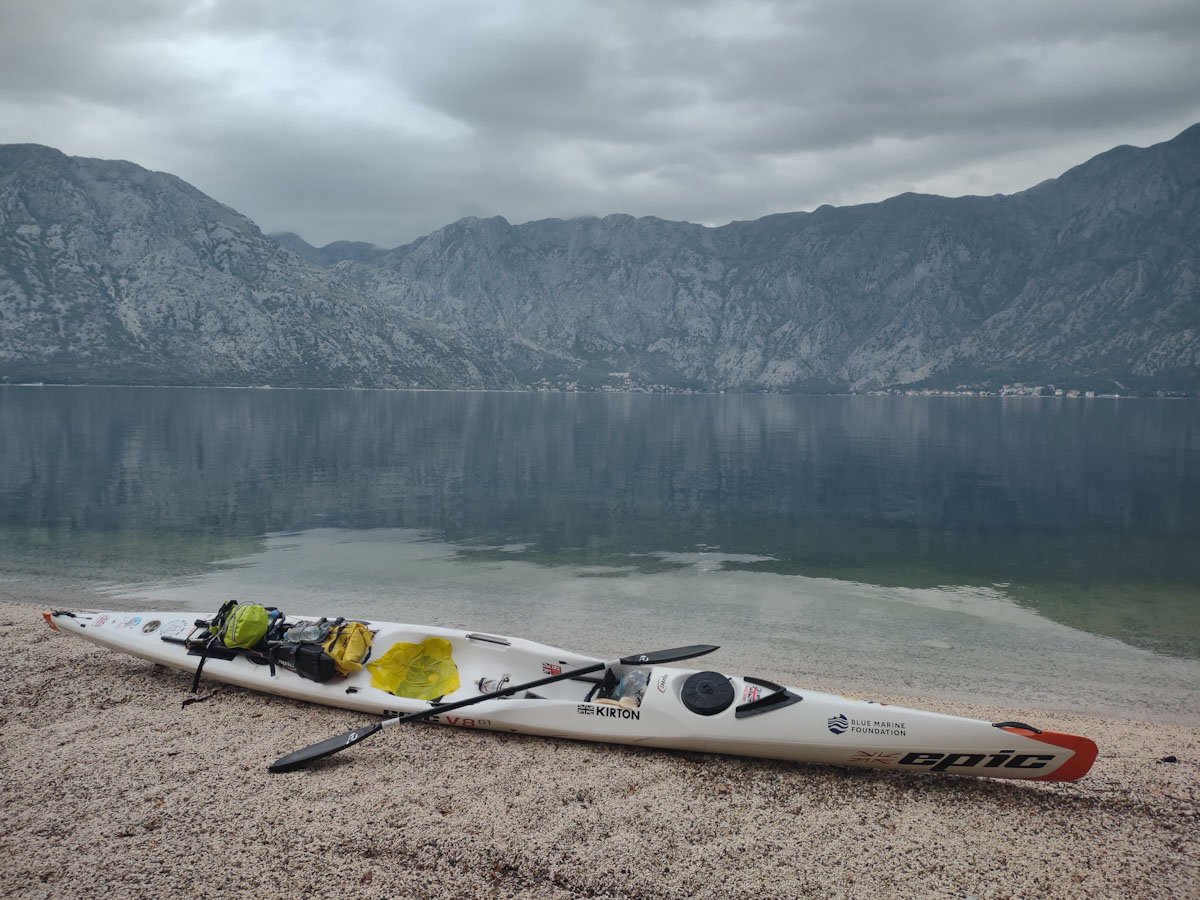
(707, 693)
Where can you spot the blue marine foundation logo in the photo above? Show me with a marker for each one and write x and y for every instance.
(840, 724)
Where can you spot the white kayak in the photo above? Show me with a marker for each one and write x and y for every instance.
(680, 709)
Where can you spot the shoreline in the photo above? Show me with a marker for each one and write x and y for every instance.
(982, 394)
(880, 683)
(113, 787)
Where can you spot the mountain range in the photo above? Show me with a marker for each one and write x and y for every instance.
(110, 273)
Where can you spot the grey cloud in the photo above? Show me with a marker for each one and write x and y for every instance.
(80, 50)
(381, 121)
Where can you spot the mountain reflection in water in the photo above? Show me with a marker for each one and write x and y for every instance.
(1087, 512)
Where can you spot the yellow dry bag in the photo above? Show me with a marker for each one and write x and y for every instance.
(349, 645)
(421, 671)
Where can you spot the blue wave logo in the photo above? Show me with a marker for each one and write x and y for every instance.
(838, 724)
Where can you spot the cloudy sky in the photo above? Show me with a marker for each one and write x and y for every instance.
(381, 120)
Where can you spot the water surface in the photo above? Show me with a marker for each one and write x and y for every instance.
(1025, 549)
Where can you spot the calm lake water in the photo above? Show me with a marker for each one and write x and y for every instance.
(1033, 552)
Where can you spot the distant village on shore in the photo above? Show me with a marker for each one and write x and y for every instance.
(627, 382)
(1028, 390)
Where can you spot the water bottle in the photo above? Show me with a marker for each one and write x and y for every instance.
(632, 685)
(487, 685)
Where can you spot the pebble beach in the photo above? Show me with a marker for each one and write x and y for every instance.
(113, 788)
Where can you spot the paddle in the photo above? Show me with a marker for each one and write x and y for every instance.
(329, 746)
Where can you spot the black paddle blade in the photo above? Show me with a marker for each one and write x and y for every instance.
(321, 749)
(657, 657)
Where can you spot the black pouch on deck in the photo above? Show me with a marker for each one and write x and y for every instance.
(310, 661)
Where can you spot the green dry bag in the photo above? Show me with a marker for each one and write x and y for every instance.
(243, 626)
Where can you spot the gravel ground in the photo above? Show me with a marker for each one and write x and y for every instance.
(112, 788)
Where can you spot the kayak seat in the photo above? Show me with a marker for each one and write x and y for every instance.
(603, 688)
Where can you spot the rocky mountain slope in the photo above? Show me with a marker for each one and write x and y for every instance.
(1089, 279)
(112, 273)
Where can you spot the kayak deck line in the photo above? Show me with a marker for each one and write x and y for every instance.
(678, 708)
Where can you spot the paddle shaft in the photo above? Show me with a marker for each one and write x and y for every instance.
(504, 692)
(332, 745)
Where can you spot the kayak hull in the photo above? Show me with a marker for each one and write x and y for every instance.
(762, 719)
